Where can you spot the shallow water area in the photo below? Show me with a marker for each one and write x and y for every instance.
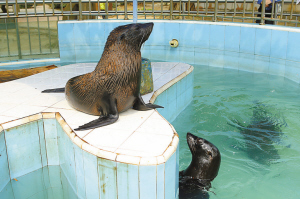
(253, 119)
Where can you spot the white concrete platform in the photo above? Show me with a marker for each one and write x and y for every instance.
(138, 137)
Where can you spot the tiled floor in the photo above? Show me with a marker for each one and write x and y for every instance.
(136, 133)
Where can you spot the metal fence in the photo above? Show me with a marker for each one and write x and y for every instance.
(28, 28)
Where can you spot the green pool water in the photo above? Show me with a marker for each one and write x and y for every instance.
(255, 163)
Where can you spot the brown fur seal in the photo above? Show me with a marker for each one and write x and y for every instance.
(114, 85)
(196, 179)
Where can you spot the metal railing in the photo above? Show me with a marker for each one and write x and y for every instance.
(29, 27)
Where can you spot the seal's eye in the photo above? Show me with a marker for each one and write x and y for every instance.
(199, 141)
(209, 153)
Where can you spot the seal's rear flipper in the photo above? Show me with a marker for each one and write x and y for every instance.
(55, 90)
(101, 121)
(141, 106)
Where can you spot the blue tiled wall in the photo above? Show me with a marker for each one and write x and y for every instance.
(57, 165)
(225, 45)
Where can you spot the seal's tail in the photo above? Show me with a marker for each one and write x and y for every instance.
(55, 90)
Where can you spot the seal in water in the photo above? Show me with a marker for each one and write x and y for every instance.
(260, 134)
(114, 85)
(195, 181)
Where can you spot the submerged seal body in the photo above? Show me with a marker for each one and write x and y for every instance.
(114, 85)
(204, 167)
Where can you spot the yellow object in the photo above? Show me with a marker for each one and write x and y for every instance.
(102, 6)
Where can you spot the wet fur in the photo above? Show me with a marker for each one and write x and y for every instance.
(195, 181)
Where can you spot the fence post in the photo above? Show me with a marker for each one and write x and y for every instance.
(216, 11)
(262, 21)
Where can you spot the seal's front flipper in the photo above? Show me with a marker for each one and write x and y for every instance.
(141, 106)
(101, 121)
(109, 115)
(55, 90)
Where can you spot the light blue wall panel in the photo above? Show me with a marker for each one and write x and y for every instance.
(83, 53)
(172, 31)
(46, 176)
(279, 43)
(292, 71)
(201, 56)
(107, 178)
(277, 67)
(216, 58)
(108, 28)
(42, 142)
(201, 35)
(23, 149)
(187, 54)
(160, 186)
(97, 34)
(187, 35)
(263, 42)
(96, 53)
(170, 175)
(246, 62)
(65, 34)
(247, 40)
(292, 52)
(217, 37)
(157, 37)
(51, 141)
(231, 60)
(28, 185)
(261, 64)
(147, 175)
(79, 163)
(232, 38)
(4, 171)
(91, 180)
(7, 191)
(157, 53)
(172, 54)
(177, 173)
(127, 181)
(81, 34)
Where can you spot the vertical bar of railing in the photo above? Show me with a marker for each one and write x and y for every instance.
(62, 7)
(216, 11)
(153, 9)
(34, 5)
(80, 9)
(116, 4)
(180, 7)
(49, 34)
(125, 9)
(144, 8)
(273, 9)
(53, 7)
(206, 7)
(106, 9)
(244, 9)
(162, 7)
(17, 8)
(262, 21)
(90, 8)
(281, 12)
(40, 43)
(292, 9)
(99, 8)
(29, 40)
(134, 3)
(189, 6)
(44, 9)
(198, 7)
(26, 8)
(7, 38)
(171, 9)
(253, 6)
(18, 39)
(234, 11)
(71, 8)
(225, 8)
(7, 8)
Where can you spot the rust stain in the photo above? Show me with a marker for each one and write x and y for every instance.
(9, 75)
(15, 179)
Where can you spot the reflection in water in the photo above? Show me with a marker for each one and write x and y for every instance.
(261, 133)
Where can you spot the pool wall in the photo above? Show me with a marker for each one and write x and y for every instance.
(248, 47)
(45, 141)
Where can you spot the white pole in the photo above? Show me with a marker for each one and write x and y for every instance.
(134, 11)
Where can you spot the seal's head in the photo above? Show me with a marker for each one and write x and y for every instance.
(206, 158)
(133, 35)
